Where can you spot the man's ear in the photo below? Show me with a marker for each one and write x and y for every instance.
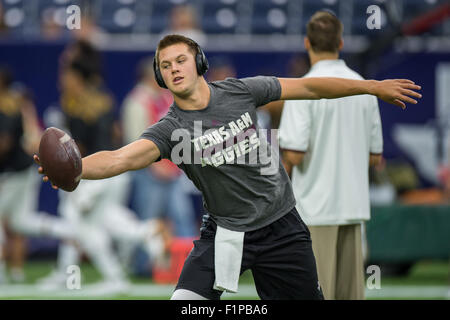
(307, 43)
(341, 44)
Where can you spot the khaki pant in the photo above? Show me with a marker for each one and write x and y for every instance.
(339, 259)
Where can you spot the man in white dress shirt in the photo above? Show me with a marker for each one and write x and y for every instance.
(327, 147)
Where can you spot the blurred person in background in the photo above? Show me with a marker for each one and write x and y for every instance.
(222, 67)
(92, 61)
(84, 50)
(53, 26)
(3, 26)
(328, 146)
(183, 20)
(16, 187)
(297, 67)
(97, 209)
(90, 31)
(381, 190)
(447, 188)
(15, 249)
(444, 177)
(160, 190)
(51, 29)
(19, 187)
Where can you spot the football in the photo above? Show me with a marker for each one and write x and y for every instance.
(60, 159)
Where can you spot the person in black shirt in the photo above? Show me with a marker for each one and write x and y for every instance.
(13, 157)
(19, 188)
(14, 165)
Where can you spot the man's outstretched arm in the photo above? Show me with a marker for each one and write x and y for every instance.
(134, 156)
(105, 164)
(396, 91)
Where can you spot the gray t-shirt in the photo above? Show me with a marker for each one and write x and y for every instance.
(222, 150)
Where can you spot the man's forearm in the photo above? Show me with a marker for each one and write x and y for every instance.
(330, 88)
(101, 165)
(106, 164)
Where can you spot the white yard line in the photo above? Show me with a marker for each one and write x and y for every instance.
(410, 292)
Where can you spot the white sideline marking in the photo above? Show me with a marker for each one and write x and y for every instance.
(410, 292)
(245, 291)
(89, 290)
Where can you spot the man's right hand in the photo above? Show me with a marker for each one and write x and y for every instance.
(41, 171)
(397, 91)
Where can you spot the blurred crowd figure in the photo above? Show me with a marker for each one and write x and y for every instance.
(381, 190)
(19, 187)
(52, 28)
(297, 67)
(159, 191)
(90, 31)
(397, 180)
(222, 67)
(446, 182)
(183, 20)
(3, 26)
(15, 169)
(97, 210)
(444, 174)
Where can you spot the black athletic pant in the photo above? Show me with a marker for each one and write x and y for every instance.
(279, 255)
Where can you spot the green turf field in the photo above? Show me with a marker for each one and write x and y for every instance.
(426, 280)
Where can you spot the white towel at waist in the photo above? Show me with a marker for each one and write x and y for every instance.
(228, 247)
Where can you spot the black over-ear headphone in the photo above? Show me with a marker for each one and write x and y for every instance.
(200, 61)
